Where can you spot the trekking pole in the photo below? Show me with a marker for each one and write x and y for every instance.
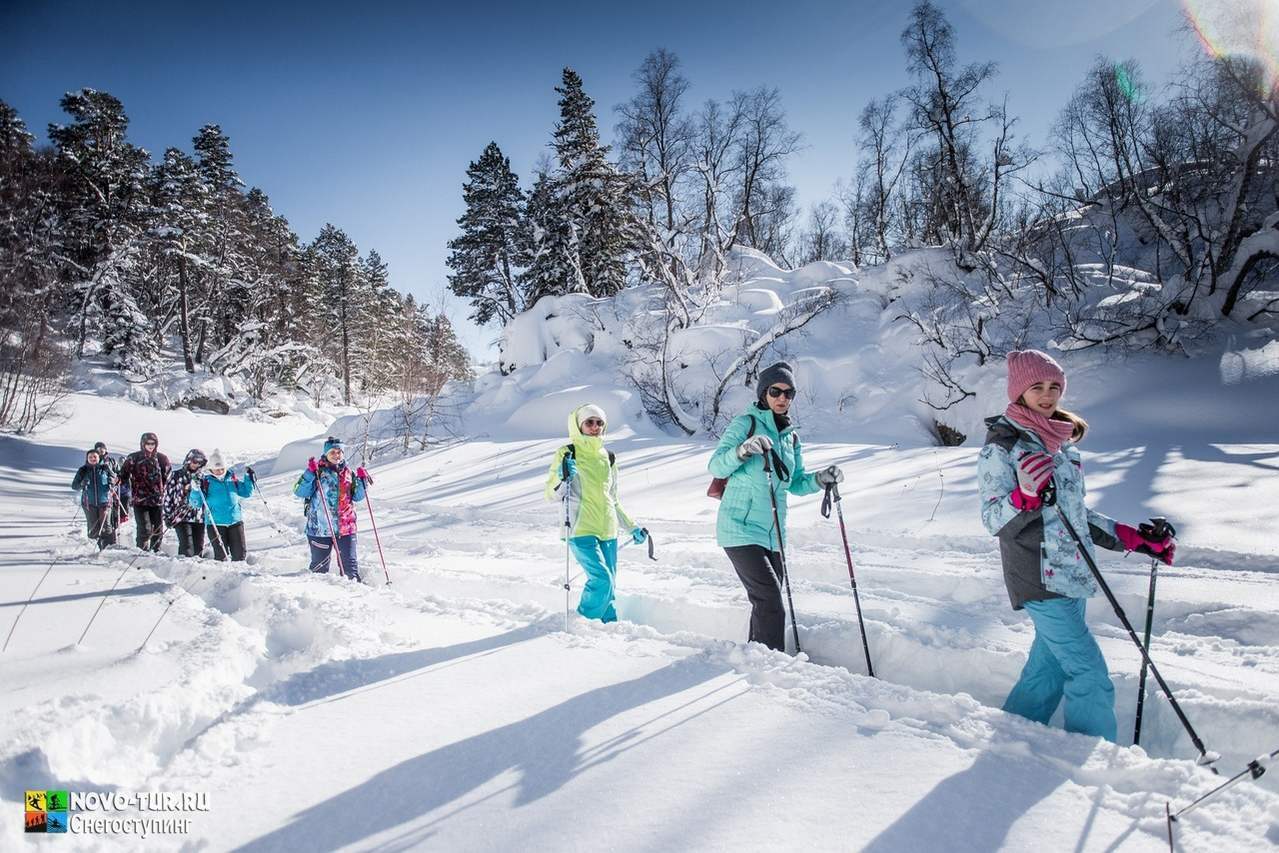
(212, 526)
(1159, 528)
(1255, 770)
(781, 547)
(106, 595)
(324, 505)
(1206, 758)
(376, 538)
(832, 494)
(568, 532)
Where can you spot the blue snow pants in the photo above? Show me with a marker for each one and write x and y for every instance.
(1065, 660)
(598, 558)
(321, 546)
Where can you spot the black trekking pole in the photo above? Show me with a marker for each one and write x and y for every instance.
(1206, 758)
(1255, 770)
(832, 494)
(1159, 528)
(781, 546)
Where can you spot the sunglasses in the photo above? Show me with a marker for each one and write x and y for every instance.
(590, 422)
(775, 392)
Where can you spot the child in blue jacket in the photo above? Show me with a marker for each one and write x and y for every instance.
(96, 484)
(220, 494)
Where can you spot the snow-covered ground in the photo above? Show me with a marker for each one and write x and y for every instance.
(451, 711)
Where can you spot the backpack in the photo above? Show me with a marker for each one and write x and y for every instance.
(716, 488)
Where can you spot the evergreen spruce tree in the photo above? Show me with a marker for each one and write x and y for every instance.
(595, 195)
(554, 263)
(487, 256)
(336, 302)
(103, 211)
(579, 214)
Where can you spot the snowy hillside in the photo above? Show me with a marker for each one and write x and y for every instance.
(450, 711)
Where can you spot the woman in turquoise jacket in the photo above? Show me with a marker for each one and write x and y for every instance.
(744, 528)
(220, 494)
(1029, 450)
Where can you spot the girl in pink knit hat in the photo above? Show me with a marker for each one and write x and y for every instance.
(1030, 451)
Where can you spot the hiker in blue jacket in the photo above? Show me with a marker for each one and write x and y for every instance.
(220, 494)
(744, 528)
(97, 485)
(339, 489)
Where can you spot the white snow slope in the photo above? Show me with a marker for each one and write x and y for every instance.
(451, 711)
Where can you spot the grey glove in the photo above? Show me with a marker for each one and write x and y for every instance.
(829, 476)
(756, 445)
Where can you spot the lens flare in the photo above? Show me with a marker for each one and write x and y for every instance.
(1244, 29)
(1127, 85)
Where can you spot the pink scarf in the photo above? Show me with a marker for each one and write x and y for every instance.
(1053, 433)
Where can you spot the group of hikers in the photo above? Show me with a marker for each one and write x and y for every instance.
(201, 495)
(1029, 462)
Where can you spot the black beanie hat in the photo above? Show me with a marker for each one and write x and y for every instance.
(780, 372)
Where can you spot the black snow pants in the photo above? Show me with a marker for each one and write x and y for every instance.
(149, 525)
(190, 538)
(230, 537)
(763, 588)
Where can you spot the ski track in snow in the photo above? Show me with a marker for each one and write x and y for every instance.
(247, 649)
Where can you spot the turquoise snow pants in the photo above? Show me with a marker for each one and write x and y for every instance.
(1065, 660)
(598, 558)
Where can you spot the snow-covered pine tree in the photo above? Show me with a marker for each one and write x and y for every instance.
(375, 343)
(595, 194)
(103, 213)
(338, 298)
(227, 299)
(33, 360)
(487, 256)
(178, 196)
(554, 263)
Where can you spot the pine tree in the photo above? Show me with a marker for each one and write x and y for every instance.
(225, 287)
(595, 195)
(103, 211)
(493, 246)
(580, 213)
(554, 264)
(337, 299)
(179, 198)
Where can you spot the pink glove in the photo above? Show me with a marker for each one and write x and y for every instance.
(1025, 502)
(1034, 470)
(1132, 540)
(364, 476)
(311, 466)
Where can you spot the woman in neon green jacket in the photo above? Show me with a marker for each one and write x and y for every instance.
(595, 513)
(744, 528)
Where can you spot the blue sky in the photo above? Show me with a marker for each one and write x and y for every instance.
(367, 116)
